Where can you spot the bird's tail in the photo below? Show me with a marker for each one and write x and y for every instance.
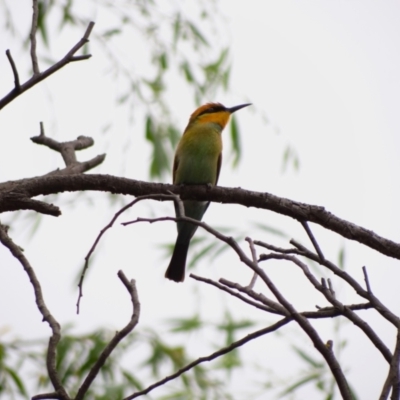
(176, 267)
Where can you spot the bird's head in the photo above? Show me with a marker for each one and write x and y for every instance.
(215, 113)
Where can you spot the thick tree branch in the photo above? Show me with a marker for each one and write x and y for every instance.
(54, 184)
(40, 76)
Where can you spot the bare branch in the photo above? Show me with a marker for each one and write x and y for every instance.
(274, 307)
(102, 232)
(348, 313)
(40, 76)
(394, 369)
(17, 201)
(225, 285)
(212, 356)
(32, 36)
(47, 316)
(313, 240)
(131, 288)
(300, 319)
(254, 257)
(106, 183)
(14, 70)
(366, 279)
(381, 308)
(235, 294)
(277, 249)
(67, 151)
(44, 396)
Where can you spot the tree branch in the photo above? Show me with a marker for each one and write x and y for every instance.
(131, 288)
(47, 316)
(348, 313)
(40, 76)
(32, 37)
(313, 240)
(377, 304)
(100, 235)
(211, 357)
(14, 70)
(326, 351)
(53, 184)
(67, 151)
(326, 312)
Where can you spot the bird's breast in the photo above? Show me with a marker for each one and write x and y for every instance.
(197, 155)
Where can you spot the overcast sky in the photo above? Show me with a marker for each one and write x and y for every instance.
(326, 75)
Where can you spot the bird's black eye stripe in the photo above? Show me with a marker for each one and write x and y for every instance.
(213, 109)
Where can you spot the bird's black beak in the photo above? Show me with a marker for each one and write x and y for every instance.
(233, 109)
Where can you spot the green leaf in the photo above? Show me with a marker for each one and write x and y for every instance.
(177, 27)
(163, 61)
(187, 71)
(16, 379)
(271, 229)
(111, 32)
(132, 380)
(307, 358)
(197, 34)
(235, 137)
(299, 383)
(341, 257)
(42, 22)
(186, 324)
(290, 154)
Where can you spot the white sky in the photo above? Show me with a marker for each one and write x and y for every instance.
(327, 76)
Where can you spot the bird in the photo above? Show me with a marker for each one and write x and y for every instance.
(197, 161)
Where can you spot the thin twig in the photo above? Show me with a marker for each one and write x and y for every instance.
(326, 312)
(348, 313)
(32, 36)
(301, 320)
(277, 249)
(254, 257)
(313, 240)
(235, 294)
(392, 382)
(273, 305)
(17, 85)
(103, 231)
(131, 288)
(366, 279)
(47, 316)
(378, 305)
(330, 286)
(211, 357)
(40, 76)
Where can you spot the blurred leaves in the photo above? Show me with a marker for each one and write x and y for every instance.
(290, 158)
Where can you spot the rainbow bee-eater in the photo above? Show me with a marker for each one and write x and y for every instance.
(197, 161)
